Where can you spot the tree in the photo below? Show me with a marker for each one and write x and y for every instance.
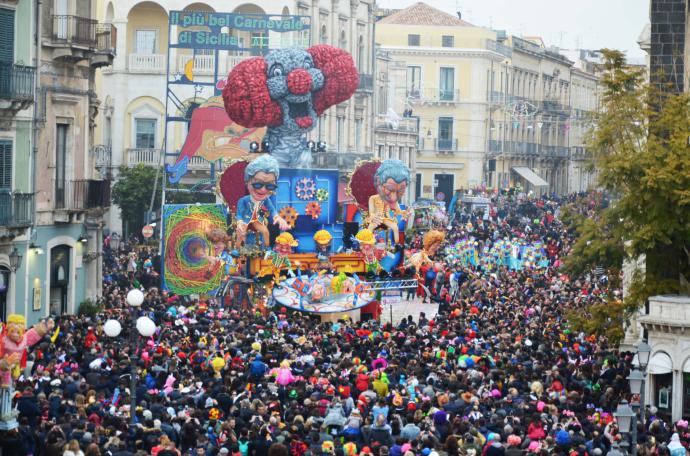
(640, 141)
(132, 193)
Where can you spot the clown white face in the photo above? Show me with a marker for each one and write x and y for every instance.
(261, 185)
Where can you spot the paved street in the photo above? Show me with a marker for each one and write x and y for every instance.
(405, 308)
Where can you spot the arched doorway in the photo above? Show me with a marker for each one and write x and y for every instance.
(4, 288)
(59, 279)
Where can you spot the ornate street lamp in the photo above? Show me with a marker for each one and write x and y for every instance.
(115, 242)
(635, 379)
(643, 352)
(15, 259)
(146, 328)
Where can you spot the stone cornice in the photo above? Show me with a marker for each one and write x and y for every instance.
(446, 52)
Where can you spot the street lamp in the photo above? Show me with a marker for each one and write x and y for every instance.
(15, 259)
(614, 451)
(112, 328)
(643, 352)
(636, 379)
(625, 416)
(115, 242)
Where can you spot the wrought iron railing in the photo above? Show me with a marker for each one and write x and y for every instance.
(75, 29)
(16, 209)
(16, 81)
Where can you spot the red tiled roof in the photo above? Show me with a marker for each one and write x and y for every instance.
(422, 14)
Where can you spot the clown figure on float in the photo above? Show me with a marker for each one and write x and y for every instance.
(286, 91)
(391, 180)
(253, 210)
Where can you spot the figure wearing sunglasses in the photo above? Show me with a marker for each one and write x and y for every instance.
(254, 210)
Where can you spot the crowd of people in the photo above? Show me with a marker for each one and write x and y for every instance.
(497, 372)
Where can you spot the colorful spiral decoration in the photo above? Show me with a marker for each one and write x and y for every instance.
(191, 265)
(305, 189)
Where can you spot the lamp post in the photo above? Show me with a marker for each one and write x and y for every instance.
(145, 327)
(115, 242)
(15, 259)
(624, 416)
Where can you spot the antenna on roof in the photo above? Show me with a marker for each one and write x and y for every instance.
(459, 14)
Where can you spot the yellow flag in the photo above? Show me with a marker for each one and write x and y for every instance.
(54, 337)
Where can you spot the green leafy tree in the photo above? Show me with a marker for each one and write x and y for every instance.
(132, 193)
(640, 141)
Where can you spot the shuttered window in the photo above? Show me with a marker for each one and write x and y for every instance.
(5, 165)
(6, 35)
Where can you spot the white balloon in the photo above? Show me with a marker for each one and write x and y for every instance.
(146, 326)
(135, 297)
(112, 328)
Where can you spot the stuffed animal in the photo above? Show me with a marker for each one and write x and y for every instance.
(286, 90)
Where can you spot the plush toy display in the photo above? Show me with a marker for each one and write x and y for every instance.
(286, 90)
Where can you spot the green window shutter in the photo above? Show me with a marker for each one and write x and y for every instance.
(6, 35)
(5, 165)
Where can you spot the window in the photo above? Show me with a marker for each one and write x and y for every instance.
(448, 41)
(447, 84)
(339, 125)
(5, 165)
(414, 81)
(60, 161)
(418, 186)
(413, 40)
(343, 40)
(145, 133)
(358, 136)
(145, 42)
(360, 54)
(323, 38)
(445, 133)
(6, 36)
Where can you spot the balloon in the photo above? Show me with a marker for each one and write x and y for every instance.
(146, 326)
(135, 297)
(256, 346)
(112, 328)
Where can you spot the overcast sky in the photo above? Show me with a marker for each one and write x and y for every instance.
(588, 24)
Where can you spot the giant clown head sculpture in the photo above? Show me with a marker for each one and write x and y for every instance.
(286, 91)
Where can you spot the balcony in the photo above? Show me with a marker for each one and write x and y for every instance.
(106, 45)
(81, 194)
(403, 125)
(512, 147)
(102, 158)
(554, 151)
(75, 30)
(339, 160)
(16, 209)
(366, 83)
(500, 48)
(148, 157)
(77, 38)
(443, 144)
(16, 90)
(203, 64)
(433, 96)
(147, 63)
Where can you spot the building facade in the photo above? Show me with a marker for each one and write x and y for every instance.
(447, 62)
(133, 89)
(541, 102)
(17, 93)
(51, 197)
(495, 111)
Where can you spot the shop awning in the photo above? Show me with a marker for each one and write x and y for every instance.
(531, 177)
(660, 364)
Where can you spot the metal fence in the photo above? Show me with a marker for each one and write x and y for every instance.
(16, 209)
(16, 81)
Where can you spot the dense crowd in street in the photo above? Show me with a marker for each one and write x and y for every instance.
(497, 372)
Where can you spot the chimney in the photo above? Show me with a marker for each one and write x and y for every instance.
(459, 15)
